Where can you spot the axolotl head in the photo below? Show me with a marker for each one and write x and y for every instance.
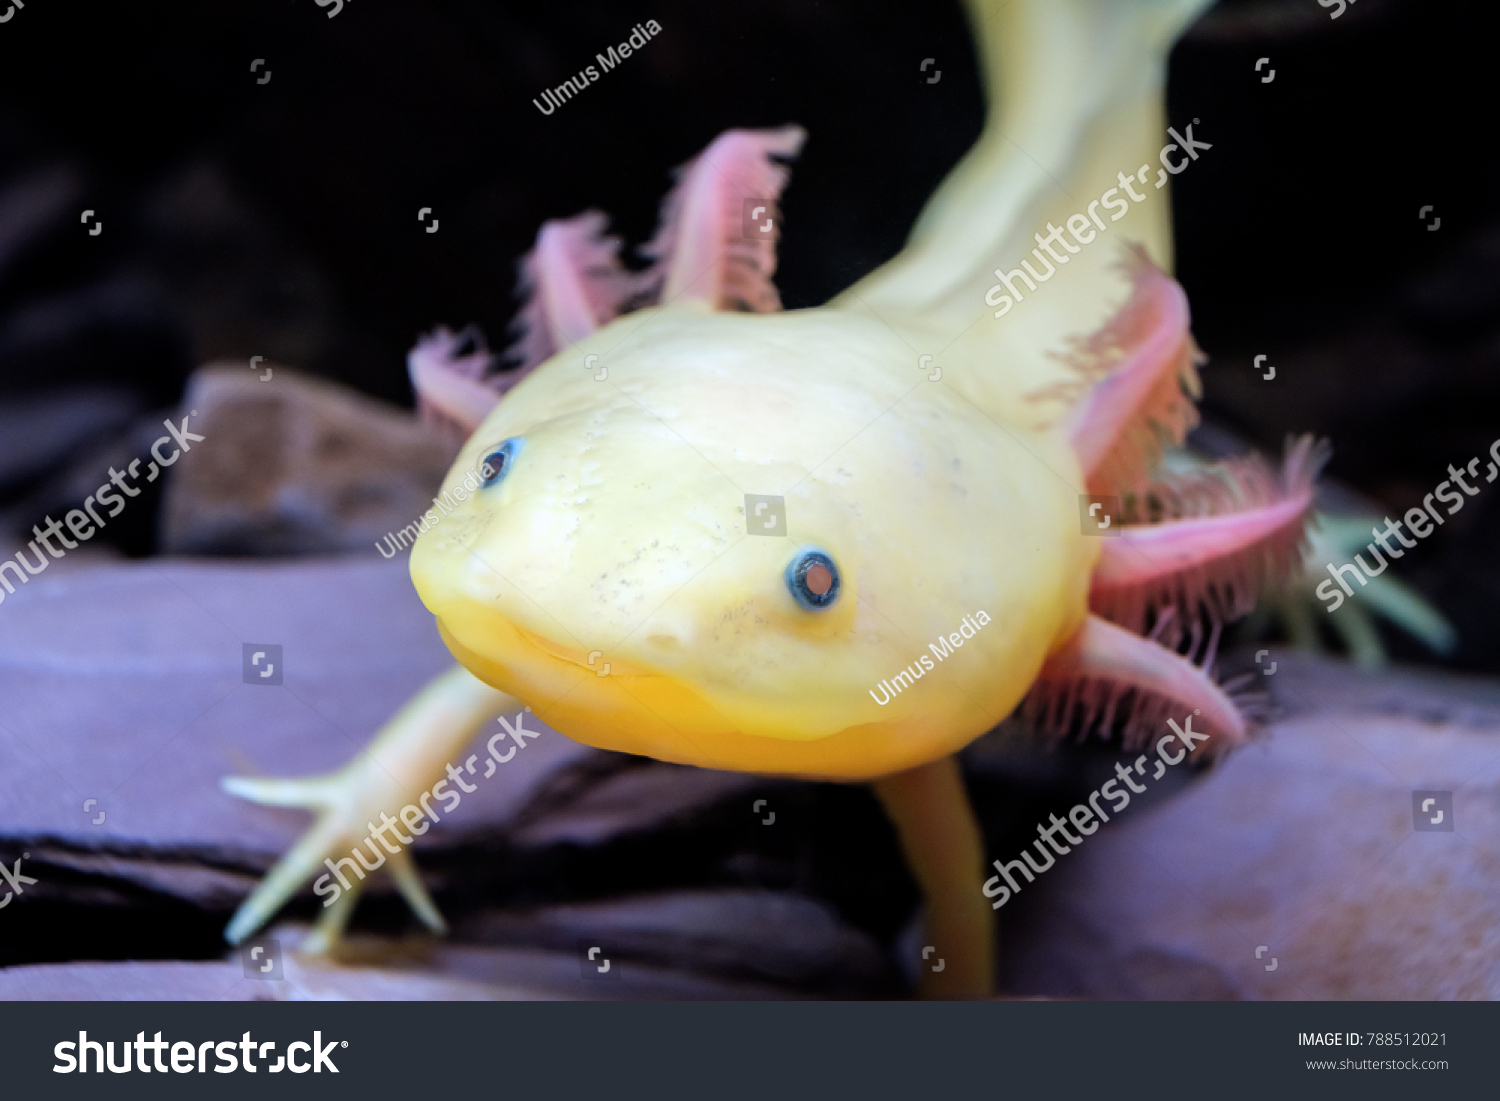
(760, 543)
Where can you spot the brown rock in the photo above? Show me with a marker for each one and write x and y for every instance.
(295, 465)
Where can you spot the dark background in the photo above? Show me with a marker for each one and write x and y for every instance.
(280, 219)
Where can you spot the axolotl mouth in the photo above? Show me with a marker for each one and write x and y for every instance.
(624, 706)
(593, 661)
(604, 700)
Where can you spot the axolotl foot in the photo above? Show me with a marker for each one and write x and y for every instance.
(349, 804)
(352, 835)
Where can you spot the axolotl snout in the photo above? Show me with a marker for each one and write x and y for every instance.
(842, 543)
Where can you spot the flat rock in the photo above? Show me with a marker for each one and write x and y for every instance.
(1294, 869)
(765, 935)
(374, 969)
(123, 684)
(627, 800)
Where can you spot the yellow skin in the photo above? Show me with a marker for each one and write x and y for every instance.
(621, 528)
(619, 533)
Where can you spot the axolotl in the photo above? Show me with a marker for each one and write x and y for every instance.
(949, 467)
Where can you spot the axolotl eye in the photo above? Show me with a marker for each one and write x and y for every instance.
(813, 579)
(498, 462)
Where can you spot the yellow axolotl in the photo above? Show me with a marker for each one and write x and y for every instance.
(935, 436)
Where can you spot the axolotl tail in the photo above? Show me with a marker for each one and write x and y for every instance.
(1073, 137)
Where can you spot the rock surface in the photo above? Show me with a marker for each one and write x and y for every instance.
(124, 684)
(380, 970)
(762, 935)
(1295, 869)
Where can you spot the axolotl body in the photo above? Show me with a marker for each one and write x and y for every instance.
(938, 462)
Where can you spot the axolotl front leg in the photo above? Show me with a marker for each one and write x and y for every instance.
(408, 756)
(412, 752)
